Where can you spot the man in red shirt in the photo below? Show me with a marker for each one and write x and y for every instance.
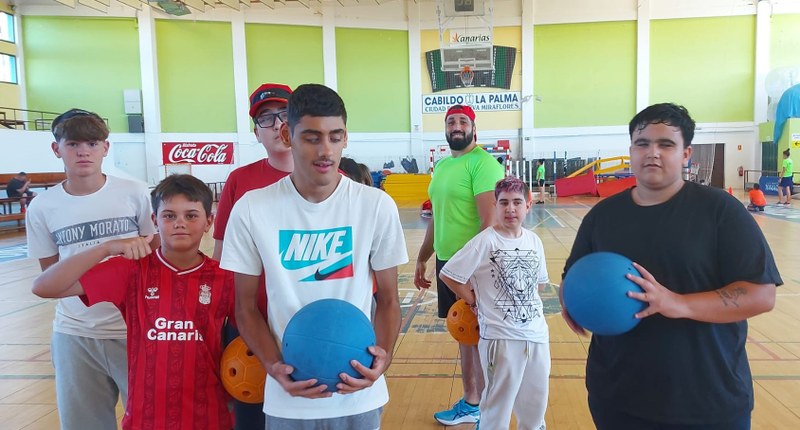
(175, 302)
(268, 110)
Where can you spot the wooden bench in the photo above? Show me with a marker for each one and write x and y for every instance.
(7, 206)
(18, 217)
(38, 180)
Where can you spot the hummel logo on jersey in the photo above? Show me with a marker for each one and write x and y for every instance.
(152, 293)
(329, 251)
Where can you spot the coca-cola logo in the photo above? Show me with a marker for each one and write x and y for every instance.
(198, 153)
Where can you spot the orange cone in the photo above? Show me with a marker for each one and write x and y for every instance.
(730, 190)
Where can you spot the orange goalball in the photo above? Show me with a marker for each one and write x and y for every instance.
(462, 323)
(242, 374)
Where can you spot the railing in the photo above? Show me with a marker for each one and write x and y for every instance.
(749, 175)
(25, 119)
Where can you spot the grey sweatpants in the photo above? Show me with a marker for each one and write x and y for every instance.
(91, 374)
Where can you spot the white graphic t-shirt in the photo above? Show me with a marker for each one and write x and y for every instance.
(505, 274)
(63, 224)
(312, 251)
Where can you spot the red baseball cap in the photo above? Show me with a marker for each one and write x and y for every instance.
(268, 93)
(463, 109)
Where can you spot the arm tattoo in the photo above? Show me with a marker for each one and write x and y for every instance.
(730, 297)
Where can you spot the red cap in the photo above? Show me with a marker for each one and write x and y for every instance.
(268, 93)
(463, 109)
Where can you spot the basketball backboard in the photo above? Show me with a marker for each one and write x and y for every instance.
(465, 34)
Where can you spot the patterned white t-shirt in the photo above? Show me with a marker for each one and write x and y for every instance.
(505, 274)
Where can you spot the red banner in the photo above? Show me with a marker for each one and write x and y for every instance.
(197, 152)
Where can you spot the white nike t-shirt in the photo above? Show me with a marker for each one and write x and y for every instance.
(312, 251)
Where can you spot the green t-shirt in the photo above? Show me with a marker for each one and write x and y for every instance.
(540, 172)
(788, 167)
(453, 187)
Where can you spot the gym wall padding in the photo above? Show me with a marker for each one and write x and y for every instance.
(372, 77)
(705, 64)
(287, 54)
(784, 41)
(195, 74)
(81, 62)
(585, 74)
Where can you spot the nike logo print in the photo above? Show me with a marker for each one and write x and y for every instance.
(323, 276)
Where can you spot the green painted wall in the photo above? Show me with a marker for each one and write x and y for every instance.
(585, 74)
(81, 62)
(288, 54)
(195, 75)
(372, 74)
(705, 64)
(784, 41)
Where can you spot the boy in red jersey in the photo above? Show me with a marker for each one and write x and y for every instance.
(175, 302)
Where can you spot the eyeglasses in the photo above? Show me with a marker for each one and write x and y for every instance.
(267, 120)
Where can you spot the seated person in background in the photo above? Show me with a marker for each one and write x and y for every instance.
(19, 187)
(757, 199)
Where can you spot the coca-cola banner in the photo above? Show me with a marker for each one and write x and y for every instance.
(197, 152)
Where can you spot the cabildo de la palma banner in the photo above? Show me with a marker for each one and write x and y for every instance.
(500, 101)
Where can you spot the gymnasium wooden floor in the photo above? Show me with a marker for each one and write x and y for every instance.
(424, 376)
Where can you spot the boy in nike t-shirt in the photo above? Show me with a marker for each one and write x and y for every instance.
(325, 235)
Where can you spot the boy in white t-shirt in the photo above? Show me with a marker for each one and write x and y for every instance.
(498, 271)
(323, 237)
(88, 345)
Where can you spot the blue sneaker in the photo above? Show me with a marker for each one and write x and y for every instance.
(460, 413)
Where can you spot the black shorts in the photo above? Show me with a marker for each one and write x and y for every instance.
(19, 195)
(446, 296)
(541, 182)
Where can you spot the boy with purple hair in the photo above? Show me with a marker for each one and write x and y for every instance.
(498, 272)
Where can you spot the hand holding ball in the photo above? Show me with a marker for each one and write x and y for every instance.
(596, 293)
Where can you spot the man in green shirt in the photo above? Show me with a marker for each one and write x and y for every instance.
(786, 177)
(462, 194)
(540, 179)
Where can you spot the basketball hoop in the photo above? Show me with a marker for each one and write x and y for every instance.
(466, 76)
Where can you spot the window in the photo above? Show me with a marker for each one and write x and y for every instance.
(7, 27)
(8, 68)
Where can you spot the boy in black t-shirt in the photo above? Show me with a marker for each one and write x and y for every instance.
(685, 364)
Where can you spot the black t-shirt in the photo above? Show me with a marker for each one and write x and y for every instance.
(677, 370)
(13, 187)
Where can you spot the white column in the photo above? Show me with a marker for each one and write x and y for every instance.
(415, 78)
(151, 109)
(643, 55)
(244, 127)
(329, 44)
(760, 102)
(527, 143)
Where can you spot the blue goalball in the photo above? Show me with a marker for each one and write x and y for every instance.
(323, 337)
(596, 293)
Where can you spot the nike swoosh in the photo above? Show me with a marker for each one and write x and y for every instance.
(323, 276)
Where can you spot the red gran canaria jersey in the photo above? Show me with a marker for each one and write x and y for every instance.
(175, 320)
